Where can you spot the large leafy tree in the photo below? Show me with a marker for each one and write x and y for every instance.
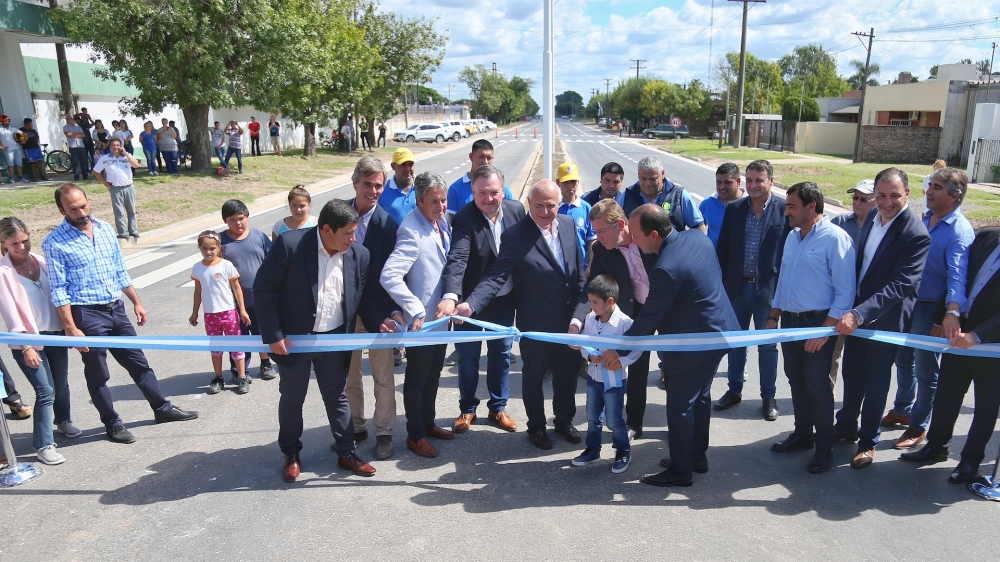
(627, 100)
(568, 103)
(495, 97)
(655, 99)
(812, 69)
(193, 53)
(764, 88)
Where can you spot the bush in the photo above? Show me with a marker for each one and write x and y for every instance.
(790, 109)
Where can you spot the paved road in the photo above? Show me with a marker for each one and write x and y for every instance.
(210, 489)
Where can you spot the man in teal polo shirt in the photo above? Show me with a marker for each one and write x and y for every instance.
(577, 209)
(727, 188)
(398, 197)
(460, 191)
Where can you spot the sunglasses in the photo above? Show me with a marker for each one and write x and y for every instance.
(863, 199)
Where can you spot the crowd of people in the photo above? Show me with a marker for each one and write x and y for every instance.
(410, 248)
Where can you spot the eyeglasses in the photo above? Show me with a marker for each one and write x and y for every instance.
(863, 199)
(602, 231)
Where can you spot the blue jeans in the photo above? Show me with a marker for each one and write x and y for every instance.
(150, 160)
(497, 362)
(171, 161)
(220, 153)
(809, 380)
(747, 305)
(611, 402)
(917, 371)
(239, 157)
(867, 374)
(51, 383)
(78, 156)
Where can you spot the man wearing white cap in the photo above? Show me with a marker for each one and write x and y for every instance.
(864, 202)
(577, 209)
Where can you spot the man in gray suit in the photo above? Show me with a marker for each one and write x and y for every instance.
(412, 277)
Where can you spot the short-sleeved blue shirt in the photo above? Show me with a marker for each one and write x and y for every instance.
(398, 203)
(579, 211)
(460, 193)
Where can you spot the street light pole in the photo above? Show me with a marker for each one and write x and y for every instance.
(548, 101)
(741, 83)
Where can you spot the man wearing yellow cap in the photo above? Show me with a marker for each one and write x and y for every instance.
(398, 198)
(577, 209)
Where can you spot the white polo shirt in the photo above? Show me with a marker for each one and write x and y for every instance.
(117, 170)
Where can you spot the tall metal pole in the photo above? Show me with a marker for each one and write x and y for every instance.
(743, 72)
(989, 83)
(864, 89)
(548, 102)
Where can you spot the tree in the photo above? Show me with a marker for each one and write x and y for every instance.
(858, 77)
(496, 98)
(568, 102)
(764, 88)
(804, 60)
(192, 53)
(933, 72)
(692, 102)
(627, 100)
(983, 67)
(430, 96)
(790, 109)
(656, 99)
(524, 105)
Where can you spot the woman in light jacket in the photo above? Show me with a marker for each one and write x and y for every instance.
(412, 277)
(26, 307)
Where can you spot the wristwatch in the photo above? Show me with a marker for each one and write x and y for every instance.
(955, 313)
(857, 317)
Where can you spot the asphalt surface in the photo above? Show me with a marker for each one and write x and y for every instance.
(210, 489)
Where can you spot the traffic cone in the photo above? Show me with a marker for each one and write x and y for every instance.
(515, 132)
(534, 132)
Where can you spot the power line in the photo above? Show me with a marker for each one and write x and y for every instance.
(637, 67)
(948, 25)
(948, 40)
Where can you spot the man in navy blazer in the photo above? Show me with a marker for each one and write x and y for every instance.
(377, 233)
(686, 296)
(891, 252)
(476, 236)
(311, 282)
(750, 245)
(542, 255)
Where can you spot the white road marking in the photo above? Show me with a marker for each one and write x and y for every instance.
(142, 259)
(157, 275)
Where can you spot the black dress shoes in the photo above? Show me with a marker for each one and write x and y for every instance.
(794, 442)
(770, 409)
(964, 473)
(846, 437)
(728, 400)
(666, 479)
(360, 436)
(570, 433)
(926, 454)
(174, 414)
(699, 466)
(821, 461)
(540, 439)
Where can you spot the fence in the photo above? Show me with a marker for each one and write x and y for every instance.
(987, 155)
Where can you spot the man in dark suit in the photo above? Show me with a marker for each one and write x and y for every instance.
(542, 254)
(476, 235)
(750, 243)
(616, 254)
(311, 282)
(377, 233)
(981, 324)
(686, 296)
(891, 252)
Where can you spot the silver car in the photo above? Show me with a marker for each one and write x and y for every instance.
(427, 132)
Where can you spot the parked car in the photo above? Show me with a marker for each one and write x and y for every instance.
(490, 125)
(471, 127)
(603, 121)
(665, 132)
(458, 130)
(427, 132)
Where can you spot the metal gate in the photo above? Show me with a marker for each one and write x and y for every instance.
(987, 155)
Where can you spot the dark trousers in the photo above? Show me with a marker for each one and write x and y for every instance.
(635, 390)
(331, 376)
(809, 379)
(689, 406)
(8, 386)
(420, 387)
(254, 146)
(867, 373)
(78, 156)
(957, 373)
(103, 320)
(381, 140)
(540, 358)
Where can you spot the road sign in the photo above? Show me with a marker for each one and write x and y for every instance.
(675, 122)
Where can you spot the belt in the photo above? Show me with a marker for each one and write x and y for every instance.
(122, 186)
(103, 306)
(750, 279)
(807, 313)
(337, 330)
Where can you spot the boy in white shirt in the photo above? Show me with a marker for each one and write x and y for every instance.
(605, 389)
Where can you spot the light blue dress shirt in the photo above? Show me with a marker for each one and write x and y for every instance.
(817, 272)
(947, 266)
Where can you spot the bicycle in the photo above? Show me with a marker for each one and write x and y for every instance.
(59, 161)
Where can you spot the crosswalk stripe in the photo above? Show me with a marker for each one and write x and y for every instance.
(143, 259)
(166, 271)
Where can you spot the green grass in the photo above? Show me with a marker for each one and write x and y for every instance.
(835, 178)
(704, 148)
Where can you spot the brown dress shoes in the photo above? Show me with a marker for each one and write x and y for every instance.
(440, 433)
(292, 468)
(503, 419)
(463, 422)
(354, 463)
(909, 439)
(422, 448)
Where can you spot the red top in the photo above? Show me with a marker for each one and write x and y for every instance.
(254, 129)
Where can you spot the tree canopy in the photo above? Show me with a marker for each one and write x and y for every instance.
(497, 98)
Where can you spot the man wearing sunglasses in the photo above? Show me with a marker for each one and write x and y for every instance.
(864, 202)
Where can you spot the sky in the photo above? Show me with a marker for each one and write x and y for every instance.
(679, 39)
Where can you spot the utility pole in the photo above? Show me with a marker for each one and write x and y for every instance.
(548, 85)
(637, 67)
(494, 69)
(864, 89)
(711, 32)
(743, 72)
(989, 83)
(607, 100)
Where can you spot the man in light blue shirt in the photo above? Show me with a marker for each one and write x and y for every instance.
(460, 191)
(943, 281)
(727, 188)
(815, 288)
(398, 197)
(568, 177)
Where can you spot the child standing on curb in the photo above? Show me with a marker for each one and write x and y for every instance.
(606, 389)
(216, 283)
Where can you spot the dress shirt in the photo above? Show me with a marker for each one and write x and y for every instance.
(874, 239)
(117, 170)
(986, 272)
(817, 272)
(363, 221)
(552, 241)
(330, 296)
(636, 272)
(84, 271)
(948, 259)
(751, 244)
(617, 324)
(851, 225)
(496, 229)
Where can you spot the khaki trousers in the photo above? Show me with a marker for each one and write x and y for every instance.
(382, 365)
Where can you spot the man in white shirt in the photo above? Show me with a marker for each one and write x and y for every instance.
(114, 170)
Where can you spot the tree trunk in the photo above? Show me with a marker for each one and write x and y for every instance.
(196, 118)
(310, 142)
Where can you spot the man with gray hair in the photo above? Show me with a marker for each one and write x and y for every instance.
(943, 282)
(542, 256)
(654, 187)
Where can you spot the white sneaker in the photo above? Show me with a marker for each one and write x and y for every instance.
(68, 429)
(48, 455)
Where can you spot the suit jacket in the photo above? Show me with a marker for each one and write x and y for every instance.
(380, 239)
(546, 298)
(412, 274)
(888, 290)
(287, 286)
(731, 247)
(472, 253)
(983, 317)
(686, 292)
(613, 263)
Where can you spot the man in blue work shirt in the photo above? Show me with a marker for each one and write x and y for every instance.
(577, 209)
(460, 191)
(398, 197)
(654, 187)
(727, 188)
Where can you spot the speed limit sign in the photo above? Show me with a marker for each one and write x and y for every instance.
(675, 122)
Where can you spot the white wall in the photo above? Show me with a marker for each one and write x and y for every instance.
(825, 138)
(13, 81)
